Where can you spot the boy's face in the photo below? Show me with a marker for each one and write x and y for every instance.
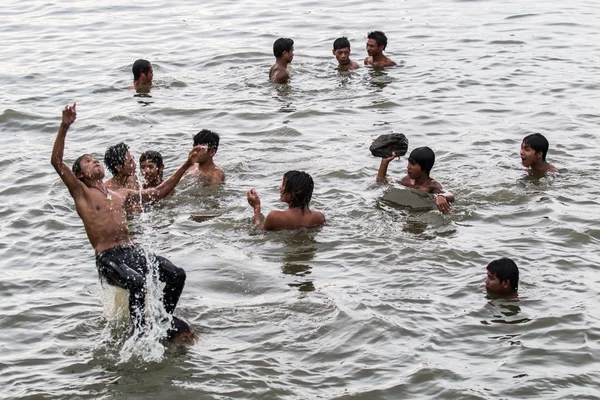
(128, 167)
(413, 170)
(92, 169)
(150, 170)
(342, 55)
(289, 55)
(283, 196)
(493, 284)
(528, 155)
(372, 48)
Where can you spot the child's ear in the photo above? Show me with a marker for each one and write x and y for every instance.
(539, 154)
(212, 152)
(505, 284)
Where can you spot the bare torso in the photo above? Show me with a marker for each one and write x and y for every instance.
(278, 74)
(294, 218)
(384, 61)
(104, 218)
(429, 185)
(211, 174)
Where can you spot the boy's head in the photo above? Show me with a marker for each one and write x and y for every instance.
(421, 160)
(86, 166)
(376, 43)
(119, 161)
(296, 189)
(151, 166)
(142, 72)
(180, 332)
(209, 139)
(284, 47)
(533, 148)
(502, 276)
(341, 50)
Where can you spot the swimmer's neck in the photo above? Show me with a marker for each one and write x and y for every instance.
(281, 61)
(96, 184)
(208, 164)
(421, 180)
(121, 180)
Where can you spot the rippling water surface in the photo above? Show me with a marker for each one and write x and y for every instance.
(383, 302)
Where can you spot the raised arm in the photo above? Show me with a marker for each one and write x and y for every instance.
(74, 185)
(165, 188)
(254, 202)
(383, 167)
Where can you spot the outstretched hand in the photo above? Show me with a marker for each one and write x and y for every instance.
(253, 198)
(69, 114)
(196, 152)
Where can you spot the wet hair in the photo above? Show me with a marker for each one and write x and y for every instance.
(115, 156)
(505, 269)
(379, 37)
(140, 67)
(76, 168)
(537, 142)
(341, 43)
(178, 326)
(299, 185)
(154, 157)
(423, 156)
(281, 45)
(208, 138)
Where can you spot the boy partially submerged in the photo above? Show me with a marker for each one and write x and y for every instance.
(295, 190)
(419, 165)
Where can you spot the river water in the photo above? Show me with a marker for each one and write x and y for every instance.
(383, 302)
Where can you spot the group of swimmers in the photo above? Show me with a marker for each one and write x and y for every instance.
(103, 205)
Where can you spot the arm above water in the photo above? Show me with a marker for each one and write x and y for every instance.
(254, 201)
(74, 185)
(383, 167)
(165, 188)
(442, 199)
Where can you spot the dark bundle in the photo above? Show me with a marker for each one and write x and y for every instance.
(384, 145)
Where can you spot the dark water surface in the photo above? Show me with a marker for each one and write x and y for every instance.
(382, 303)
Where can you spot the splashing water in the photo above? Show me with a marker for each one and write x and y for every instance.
(145, 343)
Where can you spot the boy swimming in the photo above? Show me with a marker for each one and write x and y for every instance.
(502, 277)
(533, 153)
(420, 163)
(341, 51)
(206, 168)
(295, 190)
(376, 44)
(283, 50)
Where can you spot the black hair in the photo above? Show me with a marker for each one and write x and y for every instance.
(341, 43)
(208, 138)
(299, 185)
(152, 156)
(281, 45)
(505, 269)
(423, 156)
(178, 326)
(537, 142)
(379, 37)
(115, 156)
(140, 67)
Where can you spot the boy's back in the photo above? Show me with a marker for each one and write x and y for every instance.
(293, 219)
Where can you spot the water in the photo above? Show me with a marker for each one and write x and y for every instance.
(381, 303)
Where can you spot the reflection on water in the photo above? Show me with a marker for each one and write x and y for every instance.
(300, 248)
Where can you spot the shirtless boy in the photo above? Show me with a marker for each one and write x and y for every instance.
(142, 74)
(120, 163)
(119, 261)
(295, 190)
(419, 165)
(152, 168)
(502, 277)
(341, 51)
(283, 50)
(533, 154)
(206, 169)
(376, 44)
